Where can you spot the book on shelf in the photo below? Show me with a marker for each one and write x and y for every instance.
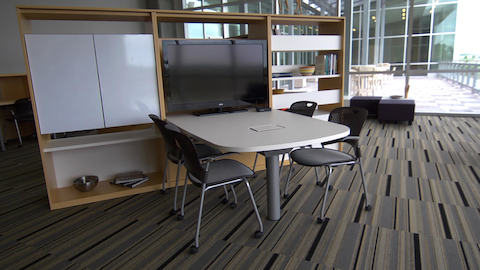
(136, 183)
(326, 64)
(129, 178)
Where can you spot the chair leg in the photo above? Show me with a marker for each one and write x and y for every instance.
(325, 179)
(175, 209)
(194, 249)
(281, 165)
(235, 201)
(225, 200)
(321, 218)
(285, 193)
(368, 207)
(258, 233)
(165, 174)
(18, 132)
(255, 162)
(316, 176)
(2, 143)
(182, 209)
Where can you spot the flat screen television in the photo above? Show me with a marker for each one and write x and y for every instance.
(214, 75)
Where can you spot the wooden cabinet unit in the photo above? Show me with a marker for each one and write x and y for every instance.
(138, 147)
(323, 39)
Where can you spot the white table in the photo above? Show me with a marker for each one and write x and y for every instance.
(235, 132)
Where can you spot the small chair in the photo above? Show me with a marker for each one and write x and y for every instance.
(306, 108)
(174, 154)
(315, 157)
(21, 112)
(213, 174)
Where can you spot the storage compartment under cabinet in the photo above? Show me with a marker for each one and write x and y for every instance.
(282, 101)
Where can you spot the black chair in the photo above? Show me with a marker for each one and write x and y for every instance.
(306, 108)
(315, 157)
(21, 112)
(213, 174)
(174, 154)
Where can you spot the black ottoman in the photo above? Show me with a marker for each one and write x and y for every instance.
(370, 103)
(396, 110)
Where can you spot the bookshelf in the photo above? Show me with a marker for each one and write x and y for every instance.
(113, 151)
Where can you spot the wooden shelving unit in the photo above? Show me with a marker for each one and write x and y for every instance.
(328, 39)
(62, 157)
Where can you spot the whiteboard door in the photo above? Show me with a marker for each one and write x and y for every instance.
(65, 82)
(128, 79)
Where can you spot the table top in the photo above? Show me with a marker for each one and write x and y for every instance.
(258, 131)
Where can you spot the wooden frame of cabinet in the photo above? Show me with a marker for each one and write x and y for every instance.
(259, 27)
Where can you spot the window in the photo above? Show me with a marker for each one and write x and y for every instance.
(421, 19)
(396, 3)
(395, 22)
(445, 18)
(442, 48)
(393, 50)
(420, 49)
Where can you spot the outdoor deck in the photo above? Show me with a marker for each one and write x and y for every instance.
(433, 95)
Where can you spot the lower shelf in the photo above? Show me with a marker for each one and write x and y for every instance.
(69, 196)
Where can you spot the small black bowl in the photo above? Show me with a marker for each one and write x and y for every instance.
(85, 183)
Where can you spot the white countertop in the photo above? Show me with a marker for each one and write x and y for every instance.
(236, 131)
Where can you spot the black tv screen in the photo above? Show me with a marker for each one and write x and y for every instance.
(214, 74)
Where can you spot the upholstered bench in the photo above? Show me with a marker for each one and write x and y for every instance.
(396, 110)
(367, 102)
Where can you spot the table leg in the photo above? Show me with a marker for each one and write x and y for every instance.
(273, 187)
(2, 143)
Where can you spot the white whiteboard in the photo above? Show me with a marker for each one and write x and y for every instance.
(65, 82)
(128, 79)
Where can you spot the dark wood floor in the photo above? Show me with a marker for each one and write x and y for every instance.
(424, 181)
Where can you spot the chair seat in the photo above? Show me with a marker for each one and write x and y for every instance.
(319, 156)
(224, 170)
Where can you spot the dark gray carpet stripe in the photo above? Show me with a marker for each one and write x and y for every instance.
(423, 181)
(317, 240)
(418, 262)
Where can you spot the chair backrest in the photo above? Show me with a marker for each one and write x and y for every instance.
(306, 108)
(23, 108)
(172, 149)
(353, 117)
(190, 156)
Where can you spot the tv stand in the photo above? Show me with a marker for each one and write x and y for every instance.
(220, 110)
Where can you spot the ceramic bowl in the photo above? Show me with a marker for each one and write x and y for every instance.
(307, 70)
(85, 183)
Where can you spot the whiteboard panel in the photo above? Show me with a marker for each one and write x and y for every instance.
(128, 79)
(65, 82)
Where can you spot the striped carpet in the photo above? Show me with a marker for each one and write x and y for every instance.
(424, 181)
